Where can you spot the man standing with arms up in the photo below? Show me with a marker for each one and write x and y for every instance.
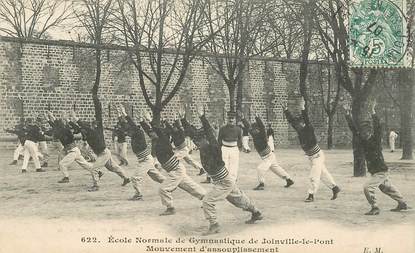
(230, 138)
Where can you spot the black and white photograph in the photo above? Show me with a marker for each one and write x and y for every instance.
(228, 126)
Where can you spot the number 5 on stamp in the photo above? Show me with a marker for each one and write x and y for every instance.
(378, 34)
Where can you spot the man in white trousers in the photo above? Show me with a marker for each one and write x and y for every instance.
(69, 152)
(392, 137)
(176, 173)
(230, 138)
(315, 155)
(269, 161)
(33, 134)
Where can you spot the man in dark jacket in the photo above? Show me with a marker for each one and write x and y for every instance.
(181, 149)
(143, 153)
(176, 172)
(120, 140)
(370, 136)
(308, 141)
(269, 161)
(70, 152)
(223, 185)
(32, 135)
(94, 135)
(230, 138)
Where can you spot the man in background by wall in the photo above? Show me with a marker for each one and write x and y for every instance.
(392, 138)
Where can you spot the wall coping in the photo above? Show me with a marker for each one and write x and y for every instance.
(70, 43)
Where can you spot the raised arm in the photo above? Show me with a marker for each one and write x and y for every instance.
(289, 116)
(260, 123)
(189, 129)
(207, 128)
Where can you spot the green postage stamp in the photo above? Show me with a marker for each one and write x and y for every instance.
(378, 34)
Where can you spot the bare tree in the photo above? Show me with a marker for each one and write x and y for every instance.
(285, 33)
(244, 21)
(95, 17)
(162, 36)
(332, 27)
(32, 18)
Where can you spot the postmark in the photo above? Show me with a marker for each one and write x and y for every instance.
(378, 34)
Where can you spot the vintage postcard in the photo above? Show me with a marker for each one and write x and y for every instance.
(207, 126)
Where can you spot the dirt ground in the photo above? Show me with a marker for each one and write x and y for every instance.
(37, 197)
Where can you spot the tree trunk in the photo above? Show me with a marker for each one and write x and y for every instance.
(406, 90)
(330, 132)
(232, 102)
(359, 163)
(156, 115)
(239, 95)
(95, 98)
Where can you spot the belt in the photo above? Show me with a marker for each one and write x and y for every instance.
(230, 144)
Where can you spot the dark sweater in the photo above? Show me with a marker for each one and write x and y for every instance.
(191, 131)
(210, 151)
(33, 133)
(259, 137)
(230, 133)
(177, 135)
(138, 140)
(162, 148)
(94, 136)
(120, 133)
(63, 133)
(306, 134)
(372, 147)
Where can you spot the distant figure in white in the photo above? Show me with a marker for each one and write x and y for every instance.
(392, 137)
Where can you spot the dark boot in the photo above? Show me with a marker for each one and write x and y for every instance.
(373, 211)
(336, 191)
(40, 170)
(289, 183)
(259, 187)
(137, 196)
(126, 181)
(169, 211)
(213, 229)
(64, 180)
(401, 206)
(13, 163)
(94, 188)
(255, 217)
(310, 198)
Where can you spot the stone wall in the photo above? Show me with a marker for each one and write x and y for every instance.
(57, 76)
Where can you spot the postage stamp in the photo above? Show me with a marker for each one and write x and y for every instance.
(378, 34)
